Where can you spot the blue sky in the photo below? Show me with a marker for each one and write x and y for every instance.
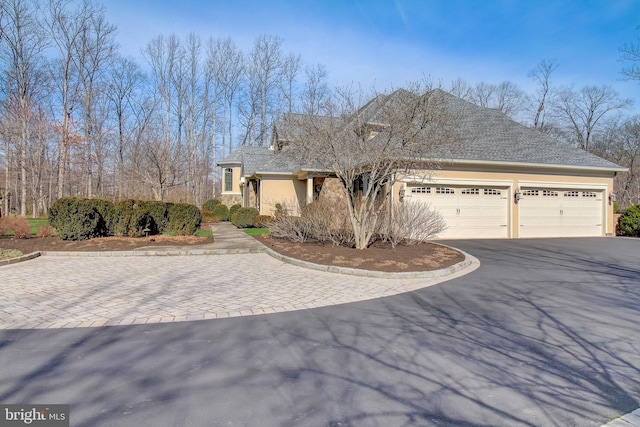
(388, 43)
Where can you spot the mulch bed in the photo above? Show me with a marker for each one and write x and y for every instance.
(379, 257)
(34, 244)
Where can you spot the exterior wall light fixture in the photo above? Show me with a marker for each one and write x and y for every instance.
(517, 196)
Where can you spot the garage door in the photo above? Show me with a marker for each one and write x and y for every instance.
(470, 212)
(560, 212)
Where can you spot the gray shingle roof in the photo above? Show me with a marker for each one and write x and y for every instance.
(258, 160)
(490, 136)
(485, 136)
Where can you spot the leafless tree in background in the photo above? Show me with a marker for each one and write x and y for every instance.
(581, 112)
(290, 71)
(264, 74)
(125, 88)
(21, 48)
(315, 93)
(225, 66)
(541, 75)
(630, 54)
(95, 52)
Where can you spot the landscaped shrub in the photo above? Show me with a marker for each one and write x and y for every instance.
(322, 220)
(18, 226)
(60, 205)
(134, 216)
(245, 217)
(124, 211)
(210, 204)
(207, 216)
(159, 212)
(5, 225)
(234, 208)
(629, 223)
(263, 221)
(184, 219)
(45, 231)
(107, 211)
(76, 219)
(292, 228)
(409, 223)
(220, 212)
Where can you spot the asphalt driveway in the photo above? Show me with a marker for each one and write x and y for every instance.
(544, 333)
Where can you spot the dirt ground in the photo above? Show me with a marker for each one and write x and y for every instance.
(379, 257)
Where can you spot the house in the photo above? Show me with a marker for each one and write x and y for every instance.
(503, 180)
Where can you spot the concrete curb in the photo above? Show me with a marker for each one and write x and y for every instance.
(468, 259)
(26, 257)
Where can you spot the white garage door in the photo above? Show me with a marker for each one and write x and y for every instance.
(470, 212)
(560, 213)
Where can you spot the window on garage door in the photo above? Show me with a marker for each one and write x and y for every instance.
(444, 190)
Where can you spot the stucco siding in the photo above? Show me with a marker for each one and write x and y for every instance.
(285, 190)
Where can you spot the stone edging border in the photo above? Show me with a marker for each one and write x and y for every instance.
(468, 260)
(153, 252)
(21, 258)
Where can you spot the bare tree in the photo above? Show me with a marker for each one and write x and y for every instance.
(66, 27)
(461, 89)
(166, 57)
(366, 145)
(22, 45)
(316, 93)
(482, 94)
(95, 51)
(630, 54)
(509, 98)
(264, 72)
(581, 112)
(290, 69)
(541, 75)
(506, 96)
(619, 142)
(125, 83)
(225, 67)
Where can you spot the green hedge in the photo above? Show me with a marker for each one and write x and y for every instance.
(134, 216)
(244, 217)
(159, 212)
(78, 218)
(221, 212)
(234, 208)
(184, 219)
(629, 223)
(107, 211)
(210, 204)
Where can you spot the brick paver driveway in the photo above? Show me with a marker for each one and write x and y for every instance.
(63, 292)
